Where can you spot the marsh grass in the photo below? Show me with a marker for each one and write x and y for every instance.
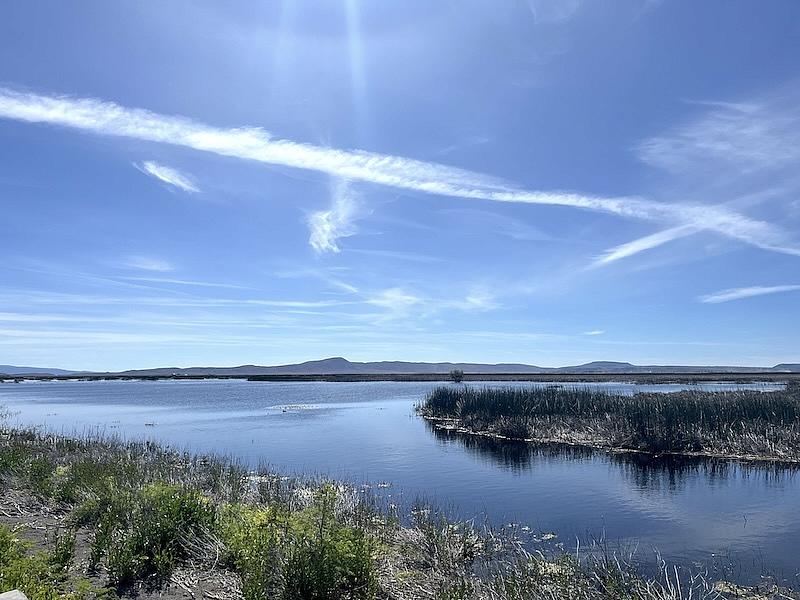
(732, 423)
(149, 510)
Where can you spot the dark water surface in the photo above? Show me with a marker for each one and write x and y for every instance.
(691, 511)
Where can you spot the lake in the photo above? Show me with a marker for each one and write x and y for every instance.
(723, 514)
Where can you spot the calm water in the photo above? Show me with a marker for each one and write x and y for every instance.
(714, 512)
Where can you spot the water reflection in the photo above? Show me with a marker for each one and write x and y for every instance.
(643, 471)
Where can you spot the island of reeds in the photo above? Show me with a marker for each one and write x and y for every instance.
(745, 424)
(89, 518)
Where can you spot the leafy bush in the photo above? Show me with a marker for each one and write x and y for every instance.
(255, 539)
(141, 533)
(306, 555)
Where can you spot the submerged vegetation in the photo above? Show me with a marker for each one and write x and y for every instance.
(737, 424)
(139, 518)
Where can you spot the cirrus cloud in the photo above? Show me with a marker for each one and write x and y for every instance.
(168, 175)
(328, 226)
(746, 292)
(107, 118)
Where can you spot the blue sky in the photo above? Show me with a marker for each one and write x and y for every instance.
(192, 183)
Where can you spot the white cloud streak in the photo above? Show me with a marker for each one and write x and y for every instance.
(107, 118)
(395, 299)
(328, 226)
(28, 297)
(734, 146)
(147, 263)
(167, 175)
(746, 292)
(188, 282)
(644, 243)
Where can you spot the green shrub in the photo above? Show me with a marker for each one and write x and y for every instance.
(141, 533)
(306, 555)
(255, 539)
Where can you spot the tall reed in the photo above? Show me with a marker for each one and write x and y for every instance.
(740, 422)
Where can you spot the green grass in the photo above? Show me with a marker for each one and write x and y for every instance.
(735, 423)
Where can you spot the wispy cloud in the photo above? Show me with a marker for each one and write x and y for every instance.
(644, 243)
(25, 297)
(553, 11)
(398, 301)
(485, 221)
(168, 175)
(328, 226)
(395, 299)
(768, 238)
(187, 282)
(479, 299)
(107, 118)
(732, 146)
(746, 292)
(746, 136)
(323, 275)
(147, 263)
(396, 255)
(595, 332)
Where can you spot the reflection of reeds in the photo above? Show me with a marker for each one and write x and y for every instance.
(646, 471)
(743, 423)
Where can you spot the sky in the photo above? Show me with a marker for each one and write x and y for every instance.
(538, 181)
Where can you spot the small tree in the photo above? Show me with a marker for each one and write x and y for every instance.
(456, 375)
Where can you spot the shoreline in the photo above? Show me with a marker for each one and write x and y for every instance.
(440, 423)
(70, 497)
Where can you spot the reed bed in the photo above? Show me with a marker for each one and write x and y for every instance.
(742, 423)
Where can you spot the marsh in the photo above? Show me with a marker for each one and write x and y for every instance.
(724, 514)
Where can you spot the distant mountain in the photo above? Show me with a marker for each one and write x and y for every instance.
(600, 366)
(342, 366)
(12, 370)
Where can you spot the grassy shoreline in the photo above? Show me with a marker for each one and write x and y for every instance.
(112, 519)
(742, 425)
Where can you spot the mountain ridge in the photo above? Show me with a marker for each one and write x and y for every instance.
(341, 366)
